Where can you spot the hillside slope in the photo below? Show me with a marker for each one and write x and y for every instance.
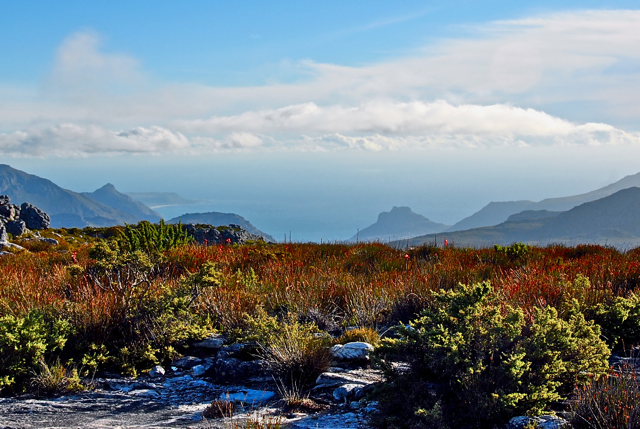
(66, 208)
(498, 212)
(109, 196)
(613, 220)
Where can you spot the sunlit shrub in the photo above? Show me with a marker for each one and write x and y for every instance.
(24, 343)
(489, 362)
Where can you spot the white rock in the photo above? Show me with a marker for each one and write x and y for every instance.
(157, 371)
(346, 391)
(355, 351)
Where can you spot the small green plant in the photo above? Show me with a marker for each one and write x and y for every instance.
(56, 379)
(619, 319)
(516, 252)
(153, 238)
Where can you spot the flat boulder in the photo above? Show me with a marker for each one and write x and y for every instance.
(356, 351)
(541, 422)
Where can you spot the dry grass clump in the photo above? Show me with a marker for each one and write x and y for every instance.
(219, 408)
(56, 379)
(368, 335)
(611, 402)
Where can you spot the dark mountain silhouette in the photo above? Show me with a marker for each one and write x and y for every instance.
(397, 224)
(66, 208)
(219, 219)
(613, 220)
(109, 196)
(498, 212)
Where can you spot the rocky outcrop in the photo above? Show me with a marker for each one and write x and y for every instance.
(211, 235)
(33, 217)
(16, 221)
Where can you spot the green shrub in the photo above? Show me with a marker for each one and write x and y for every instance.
(488, 362)
(150, 319)
(620, 320)
(152, 238)
(24, 342)
(517, 252)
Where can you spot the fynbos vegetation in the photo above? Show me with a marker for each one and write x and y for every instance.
(485, 334)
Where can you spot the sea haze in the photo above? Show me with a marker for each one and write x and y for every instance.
(329, 196)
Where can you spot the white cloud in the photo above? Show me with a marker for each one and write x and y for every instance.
(539, 62)
(587, 58)
(393, 118)
(77, 140)
(80, 66)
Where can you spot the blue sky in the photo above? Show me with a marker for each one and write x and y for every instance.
(316, 116)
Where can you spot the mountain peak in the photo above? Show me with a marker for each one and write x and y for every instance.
(107, 188)
(400, 222)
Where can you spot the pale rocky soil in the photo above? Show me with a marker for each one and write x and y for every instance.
(178, 402)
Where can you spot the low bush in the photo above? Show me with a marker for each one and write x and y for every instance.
(24, 342)
(56, 379)
(487, 361)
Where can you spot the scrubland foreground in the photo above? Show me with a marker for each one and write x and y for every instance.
(466, 338)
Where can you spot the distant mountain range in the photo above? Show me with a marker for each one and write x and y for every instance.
(613, 220)
(67, 208)
(495, 213)
(218, 219)
(398, 224)
(103, 207)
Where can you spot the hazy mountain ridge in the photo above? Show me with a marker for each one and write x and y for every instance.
(109, 196)
(613, 220)
(495, 213)
(398, 224)
(66, 208)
